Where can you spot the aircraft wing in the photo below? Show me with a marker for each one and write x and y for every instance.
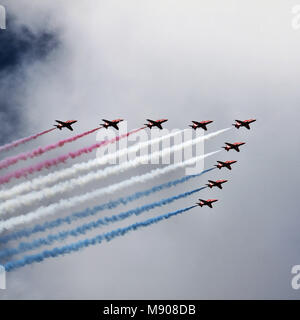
(69, 127)
(196, 122)
(113, 124)
(60, 122)
(151, 121)
(247, 126)
(230, 144)
(239, 121)
(155, 123)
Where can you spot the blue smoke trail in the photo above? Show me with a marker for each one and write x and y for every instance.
(26, 232)
(76, 246)
(61, 236)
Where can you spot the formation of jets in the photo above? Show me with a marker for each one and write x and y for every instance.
(224, 164)
(196, 125)
(158, 124)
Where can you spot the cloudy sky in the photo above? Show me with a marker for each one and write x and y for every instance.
(181, 60)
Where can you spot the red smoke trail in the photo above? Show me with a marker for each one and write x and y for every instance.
(23, 140)
(61, 159)
(39, 151)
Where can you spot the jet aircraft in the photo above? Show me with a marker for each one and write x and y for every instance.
(201, 124)
(235, 146)
(217, 183)
(112, 123)
(157, 123)
(207, 202)
(225, 164)
(245, 123)
(65, 124)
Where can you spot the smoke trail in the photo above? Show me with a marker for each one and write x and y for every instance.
(76, 246)
(82, 229)
(10, 205)
(39, 151)
(61, 159)
(23, 140)
(77, 168)
(73, 201)
(27, 232)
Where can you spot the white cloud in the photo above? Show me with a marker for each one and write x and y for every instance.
(180, 60)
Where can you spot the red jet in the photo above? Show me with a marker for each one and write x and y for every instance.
(207, 202)
(201, 124)
(112, 123)
(245, 123)
(65, 124)
(234, 146)
(217, 183)
(156, 123)
(226, 164)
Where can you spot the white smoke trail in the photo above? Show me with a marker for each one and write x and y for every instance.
(77, 200)
(77, 168)
(27, 199)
